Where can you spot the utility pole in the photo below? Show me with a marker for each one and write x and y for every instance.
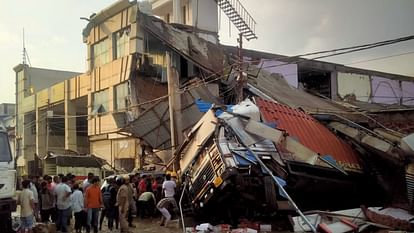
(47, 129)
(240, 79)
(174, 106)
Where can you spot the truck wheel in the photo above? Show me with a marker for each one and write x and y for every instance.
(270, 192)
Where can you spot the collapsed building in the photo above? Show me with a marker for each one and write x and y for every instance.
(335, 152)
(148, 91)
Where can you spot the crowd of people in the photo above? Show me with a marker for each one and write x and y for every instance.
(60, 198)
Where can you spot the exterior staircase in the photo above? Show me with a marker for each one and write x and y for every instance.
(239, 16)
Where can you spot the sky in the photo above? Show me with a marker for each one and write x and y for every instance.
(289, 27)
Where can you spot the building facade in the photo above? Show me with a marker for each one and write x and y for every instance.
(201, 14)
(66, 112)
(7, 109)
(37, 92)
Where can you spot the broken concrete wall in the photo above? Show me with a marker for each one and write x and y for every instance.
(204, 54)
(147, 89)
(354, 86)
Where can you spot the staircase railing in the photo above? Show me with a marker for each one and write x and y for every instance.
(240, 17)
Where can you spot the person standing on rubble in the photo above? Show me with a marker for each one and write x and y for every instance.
(164, 205)
(122, 202)
(93, 204)
(168, 187)
(168, 202)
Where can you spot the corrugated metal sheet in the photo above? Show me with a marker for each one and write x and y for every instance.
(153, 125)
(309, 132)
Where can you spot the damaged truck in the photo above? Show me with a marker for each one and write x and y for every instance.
(237, 166)
(220, 170)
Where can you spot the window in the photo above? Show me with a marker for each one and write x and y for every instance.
(5, 154)
(121, 96)
(100, 102)
(121, 43)
(100, 53)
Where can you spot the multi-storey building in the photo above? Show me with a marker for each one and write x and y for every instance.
(67, 112)
(37, 91)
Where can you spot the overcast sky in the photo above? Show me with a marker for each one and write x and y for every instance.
(288, 27)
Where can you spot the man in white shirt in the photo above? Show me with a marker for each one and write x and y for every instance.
(63, 203)
(78, 208)
(26, 202)
(35, 196)
(168, 186)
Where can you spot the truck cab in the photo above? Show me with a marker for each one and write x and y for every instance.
(7, 182)
(7, 167)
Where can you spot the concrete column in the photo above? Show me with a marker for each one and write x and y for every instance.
(334, 85)
(111, 99)
(174, 101)
(70, 120)
(91, 119)
(40, 132)
(193, 13)
(177, 12)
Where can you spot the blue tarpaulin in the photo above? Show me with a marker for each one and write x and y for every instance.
(242, 161)
(205, 106)
(282, 182)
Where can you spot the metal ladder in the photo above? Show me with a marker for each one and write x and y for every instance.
(239, 16)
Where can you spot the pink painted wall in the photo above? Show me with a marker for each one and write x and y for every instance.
(408, 93)
(288, 71)
(388, 91)
(385, 91)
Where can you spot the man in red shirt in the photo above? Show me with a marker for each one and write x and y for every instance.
(142, 185)
(93, 204)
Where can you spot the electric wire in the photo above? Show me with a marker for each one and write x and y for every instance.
(380, 58)
(344, 50)
(336, 52)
